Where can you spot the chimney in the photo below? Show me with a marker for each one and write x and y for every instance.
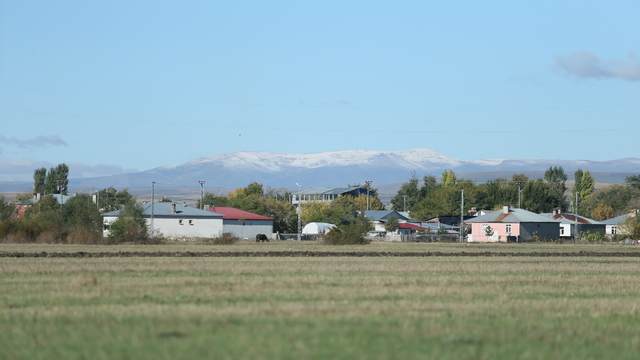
(556, 211)
(505, 209)
(173, 208)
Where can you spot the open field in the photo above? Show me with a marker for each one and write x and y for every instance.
(317, 308)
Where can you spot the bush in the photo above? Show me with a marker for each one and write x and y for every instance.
(592, 238)
(224, 239)
(346, 235)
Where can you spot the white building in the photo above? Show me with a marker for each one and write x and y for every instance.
(174, 221)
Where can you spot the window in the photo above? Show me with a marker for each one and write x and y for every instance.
(190, 222)
(508, 228)
(561, 230)
(180, 222)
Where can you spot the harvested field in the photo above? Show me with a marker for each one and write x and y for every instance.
(382, 301)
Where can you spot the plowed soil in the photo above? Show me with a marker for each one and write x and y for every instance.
(187, 254)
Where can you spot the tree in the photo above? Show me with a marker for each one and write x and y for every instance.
(111, 199)
(81, 213)
(6, 209)
(391, 224)
(56, 181)
(556, 177)
(448, 178)
(407, 196)
(210, 199)
(633, 181)
(582, 189)
(602, 212)
(373, 201)
(129, 227)
(39, 179)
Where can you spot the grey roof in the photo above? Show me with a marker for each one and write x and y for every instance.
(616, 220)
(514, 216)
(566, 218)
(164, 209)
(327, 191)
(382, 215)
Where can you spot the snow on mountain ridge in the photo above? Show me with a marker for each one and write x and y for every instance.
(271, 161)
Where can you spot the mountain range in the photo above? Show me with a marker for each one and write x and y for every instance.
(340, 168)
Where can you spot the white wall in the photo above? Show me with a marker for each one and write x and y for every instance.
(175, 227)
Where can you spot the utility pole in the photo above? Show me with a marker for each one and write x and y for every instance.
(153, 185)
(576, 218)
(405, 202)
(368, 186)
(299, 213)
(201, 182)
(60, 184)
(462, 218)
(519, 182)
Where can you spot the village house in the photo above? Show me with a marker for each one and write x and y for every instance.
(174, 221)
(244, 224)
(512, 225)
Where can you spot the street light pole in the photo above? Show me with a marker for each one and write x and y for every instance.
(201, 182)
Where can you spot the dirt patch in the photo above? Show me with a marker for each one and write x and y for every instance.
(188, 254)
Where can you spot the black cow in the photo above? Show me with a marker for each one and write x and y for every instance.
(262, 237)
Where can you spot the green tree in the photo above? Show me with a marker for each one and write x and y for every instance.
(582, 189)
(57, 180)
(408, 194)
(633, 181)
(79, 212)
(391, 224)
(211, 199)
(557, 178)
(448, 178)
(129, 227)
(6, 209)
(39, 180)
(111, 199)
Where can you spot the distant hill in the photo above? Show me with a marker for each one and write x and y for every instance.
(387, 170)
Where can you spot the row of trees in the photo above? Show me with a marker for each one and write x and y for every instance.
(431, 198)
(278, 205)
(79, 220)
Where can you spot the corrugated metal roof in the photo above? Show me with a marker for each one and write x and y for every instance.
(616, 220)
(514, 216)
(165, 209)
(382, 215)
(327, 191)
(571, 219)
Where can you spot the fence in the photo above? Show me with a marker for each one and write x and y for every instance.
(416, 238)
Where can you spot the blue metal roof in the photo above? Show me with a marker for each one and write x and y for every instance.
(513, 216)
(165, 209)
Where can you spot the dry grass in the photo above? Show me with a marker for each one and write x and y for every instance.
(380, 246)
(372, 308)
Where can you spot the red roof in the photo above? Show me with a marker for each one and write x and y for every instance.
(410, 226)
(236, 214)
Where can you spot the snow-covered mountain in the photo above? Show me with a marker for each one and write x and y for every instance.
(335, 168)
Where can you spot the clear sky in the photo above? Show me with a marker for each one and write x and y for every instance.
(113, 86)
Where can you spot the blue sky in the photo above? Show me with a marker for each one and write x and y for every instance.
(114, 86)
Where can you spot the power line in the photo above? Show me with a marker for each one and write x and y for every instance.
(384, 131)
(325, 106)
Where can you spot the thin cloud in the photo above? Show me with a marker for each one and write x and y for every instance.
(21, 170)
(585, 65)
(38, 141)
